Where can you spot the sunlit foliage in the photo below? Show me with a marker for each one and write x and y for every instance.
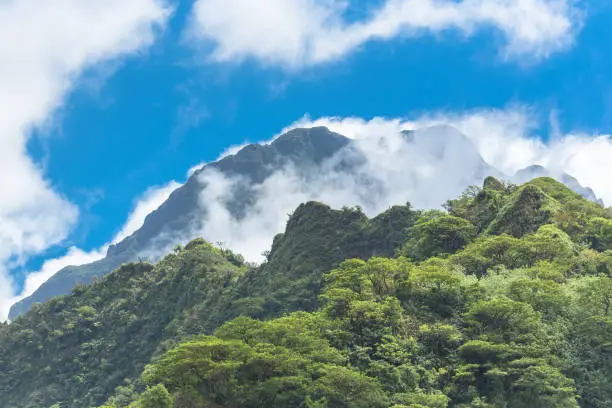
(502, 301)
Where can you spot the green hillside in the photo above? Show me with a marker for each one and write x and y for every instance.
(503, 300)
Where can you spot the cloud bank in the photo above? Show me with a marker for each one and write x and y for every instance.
(444, 154)
(298, 33)
(45, 46)
(385, 168)
(507, 140)
(438, 164)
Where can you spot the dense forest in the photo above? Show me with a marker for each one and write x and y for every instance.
(504, 299)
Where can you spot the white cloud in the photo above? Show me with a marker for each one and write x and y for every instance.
(74, 257)
(194, 169)
(150, 201)
(437, 165)
(305, 32)
(386, 170)
(45, 46)
(506, 139)
(232, 150)
(586, 157)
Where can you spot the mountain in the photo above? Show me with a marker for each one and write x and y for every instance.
(502, 300)
(181, 214)
(425, 167)
(535, 171)
(115, 326)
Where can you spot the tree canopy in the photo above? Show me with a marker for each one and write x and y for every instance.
(504, 300)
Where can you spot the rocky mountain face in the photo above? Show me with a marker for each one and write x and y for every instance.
(306, 151)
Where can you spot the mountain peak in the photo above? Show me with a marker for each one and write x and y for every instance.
(414, 172)
(491, 183)
(317, 143)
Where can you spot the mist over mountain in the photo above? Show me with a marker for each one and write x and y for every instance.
(305, 204)
(408, 308)
(535, 171)
(242, 199)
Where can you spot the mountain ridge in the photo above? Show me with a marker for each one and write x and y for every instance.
(177, 213)
(509, 281)
(182, 215)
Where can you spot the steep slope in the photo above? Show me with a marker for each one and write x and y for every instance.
(206, 329)
(525, 211)
(72, 342)
(181, 215)
(500, 208)
(531, 330)
(76, 349)
(373, 172)
(316, 240)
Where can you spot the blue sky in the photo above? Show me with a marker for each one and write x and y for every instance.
(181, 86)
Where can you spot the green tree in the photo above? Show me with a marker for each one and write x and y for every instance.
(436, 234)
(599, 233)
(155, 397)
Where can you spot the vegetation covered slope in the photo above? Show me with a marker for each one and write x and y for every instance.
(182, 212)
(76, 349)
(303, 150)
(504, 300)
